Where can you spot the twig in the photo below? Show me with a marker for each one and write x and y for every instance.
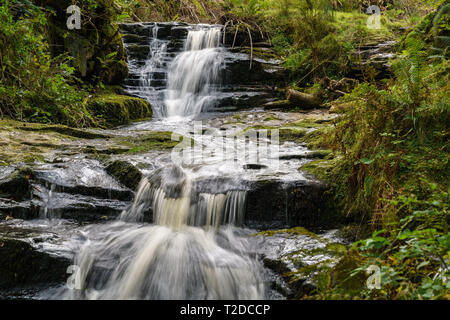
(251, 47)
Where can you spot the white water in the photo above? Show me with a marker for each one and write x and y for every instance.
(185, 255)
(195, 74)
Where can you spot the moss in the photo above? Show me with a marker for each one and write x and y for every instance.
(76, 133)
(151, 141)
(279, 104)
(125, 173)
(292, 231)
(114, 109)
(291, 134)
(270, 118)
(308, 124)
(320, 169)
(341, 275)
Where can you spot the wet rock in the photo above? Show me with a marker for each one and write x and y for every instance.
(247, 75)
(21, 264)
(303, 100)
(17, 186)
(254, 166)
(58, 205)
(274, 203)
(83, 177)
(18, 210)
(125, 173)
(297, 254)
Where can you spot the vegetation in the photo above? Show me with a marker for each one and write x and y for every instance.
(392, 171)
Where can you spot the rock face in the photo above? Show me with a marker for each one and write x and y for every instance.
(247, 76)
(269, 204)
(21, 265)
(275, 204)
(374, 57)
(81, 191)
(17, 186)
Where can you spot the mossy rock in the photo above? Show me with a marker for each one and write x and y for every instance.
(21, 264)
(319, 169)
(158, 140)
(278, 104)
(115, 109)
(291, 134)
(293, 231)
(125, 173)
(341, 274)
(61, 129)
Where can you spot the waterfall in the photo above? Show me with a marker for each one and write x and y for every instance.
(184, 255)
(168, 193)
(195, 247)
(194, 75)
(151, 72)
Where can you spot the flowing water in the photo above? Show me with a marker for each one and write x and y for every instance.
(194, 74)
(196, 247)
(185, 254)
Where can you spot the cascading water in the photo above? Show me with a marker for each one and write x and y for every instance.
(195, 248)
(175, 258)
(195, 73)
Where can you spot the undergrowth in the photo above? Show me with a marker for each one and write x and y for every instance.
(393, 173)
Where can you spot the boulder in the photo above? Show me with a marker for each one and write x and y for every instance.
(21, 265)
(274, 203)
(118, 109)
(125, 173)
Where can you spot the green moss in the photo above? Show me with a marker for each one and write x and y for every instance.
(270, 118)
(308, 124)
(292, 231)
(151, 141)
(114, 109)
(17, 186)
(125, 173)
(291, 134)
(76, 133)
(320, 169)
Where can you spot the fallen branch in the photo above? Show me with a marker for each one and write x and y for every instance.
(303, 100)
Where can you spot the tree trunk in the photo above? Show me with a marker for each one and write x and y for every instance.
(303, 100)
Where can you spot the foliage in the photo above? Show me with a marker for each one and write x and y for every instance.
(394, 172)
(35, 86)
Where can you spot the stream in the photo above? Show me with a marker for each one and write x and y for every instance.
(192, 230)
